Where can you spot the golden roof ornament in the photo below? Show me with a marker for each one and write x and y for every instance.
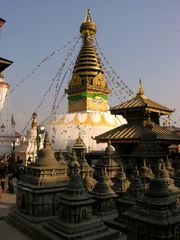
(140, 91)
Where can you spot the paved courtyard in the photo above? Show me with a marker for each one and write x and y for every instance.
(7, 231)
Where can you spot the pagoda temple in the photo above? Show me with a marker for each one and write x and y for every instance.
(142, 130)
(88, 108)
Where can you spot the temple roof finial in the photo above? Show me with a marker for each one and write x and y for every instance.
(140, 89)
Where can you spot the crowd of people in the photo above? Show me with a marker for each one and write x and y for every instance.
(9, 169)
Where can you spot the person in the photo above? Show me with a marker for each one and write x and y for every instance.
(11, 170)
(3, 171)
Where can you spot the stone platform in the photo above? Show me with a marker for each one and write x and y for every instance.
(8, 231)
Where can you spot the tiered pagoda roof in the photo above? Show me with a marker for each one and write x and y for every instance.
(4, 63)
(141, 101)
(137, 111)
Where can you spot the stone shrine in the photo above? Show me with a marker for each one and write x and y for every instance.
(75, 219)
(104, 196)
(108, 161)
(156, 216)
(37, 189)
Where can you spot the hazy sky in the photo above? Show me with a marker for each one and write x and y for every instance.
(140, 38)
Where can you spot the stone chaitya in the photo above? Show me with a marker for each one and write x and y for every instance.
(104, 196)
(85, 169)
(79, 147)
(164, 173)
(75, 219)
(89, 182)
(108, 162)
(38, 187)
(157, 215)
(146, 173)
(135, 191)
(121, 182)
(169, 167)
(72, 162)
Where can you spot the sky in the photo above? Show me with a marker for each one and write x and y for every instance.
(139, 38)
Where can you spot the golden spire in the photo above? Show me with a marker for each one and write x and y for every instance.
(88, 16)
(88, 83)
(140, 91)
(34, 121)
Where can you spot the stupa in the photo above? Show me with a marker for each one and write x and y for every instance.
(27, 148)
(88, 109)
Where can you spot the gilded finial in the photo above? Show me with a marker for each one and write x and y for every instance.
(34, 121)
(88, 28)
(88, 16)
(140, 89)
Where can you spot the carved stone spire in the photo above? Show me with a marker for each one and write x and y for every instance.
(73, 161)
(121, 182)
(89, 182)
(162, 172)
(156, 216)
(146, 173)
(79, 147)
(85, 168)
(107, 161)
(104, 196)
(46, 155)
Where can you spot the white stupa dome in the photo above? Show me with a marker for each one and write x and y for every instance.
(66, 128)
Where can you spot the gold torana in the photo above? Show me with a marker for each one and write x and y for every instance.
(88, 88)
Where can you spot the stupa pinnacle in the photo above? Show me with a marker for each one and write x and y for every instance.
(88, 88)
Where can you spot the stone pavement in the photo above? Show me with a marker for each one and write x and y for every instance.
(7, 231)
